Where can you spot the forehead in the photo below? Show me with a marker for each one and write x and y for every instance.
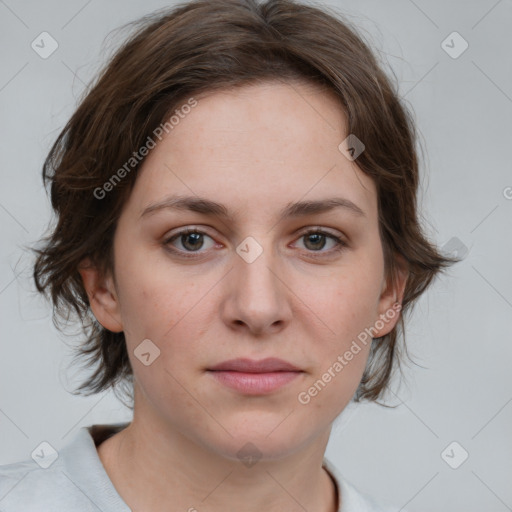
(270, 144)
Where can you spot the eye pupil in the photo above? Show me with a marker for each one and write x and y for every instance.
(317, 237)
(195, 237)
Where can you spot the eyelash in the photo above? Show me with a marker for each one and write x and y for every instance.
(340, 243)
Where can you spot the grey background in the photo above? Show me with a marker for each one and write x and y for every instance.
(461, 331)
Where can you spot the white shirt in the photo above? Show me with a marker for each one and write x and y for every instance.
(77, 481)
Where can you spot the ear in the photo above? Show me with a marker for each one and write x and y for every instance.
(390, 301)
(102, 296)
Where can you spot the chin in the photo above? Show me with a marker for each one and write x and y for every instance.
(254, 439)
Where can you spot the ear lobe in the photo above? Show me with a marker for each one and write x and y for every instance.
(390, 302)
(102, 296)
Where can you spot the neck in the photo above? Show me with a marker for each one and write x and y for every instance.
(153, 466)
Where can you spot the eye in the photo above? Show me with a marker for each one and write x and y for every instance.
(191, 240)
(315, 240)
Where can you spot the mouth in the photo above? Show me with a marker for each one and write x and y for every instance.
(255, 377)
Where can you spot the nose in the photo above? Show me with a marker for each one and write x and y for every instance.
(257, 298)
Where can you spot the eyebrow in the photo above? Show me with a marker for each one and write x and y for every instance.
(212, 208)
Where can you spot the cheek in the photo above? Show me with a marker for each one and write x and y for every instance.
(157, 309)
(172, 311)
(349, 302)
(341, 364)
(166, 314)
(348, 305)
(329, 391)
(155, 295)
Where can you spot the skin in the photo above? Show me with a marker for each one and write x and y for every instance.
(255, 149)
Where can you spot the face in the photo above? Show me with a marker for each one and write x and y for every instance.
(251, 276)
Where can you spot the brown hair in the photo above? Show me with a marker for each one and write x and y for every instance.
(202, 46)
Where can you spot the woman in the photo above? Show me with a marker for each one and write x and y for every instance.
(238, 233)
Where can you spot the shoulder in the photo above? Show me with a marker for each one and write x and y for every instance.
(352, 499)
(72, 479)
(25, 486)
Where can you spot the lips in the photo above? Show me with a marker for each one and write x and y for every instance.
(269, 365)
(249, 377)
